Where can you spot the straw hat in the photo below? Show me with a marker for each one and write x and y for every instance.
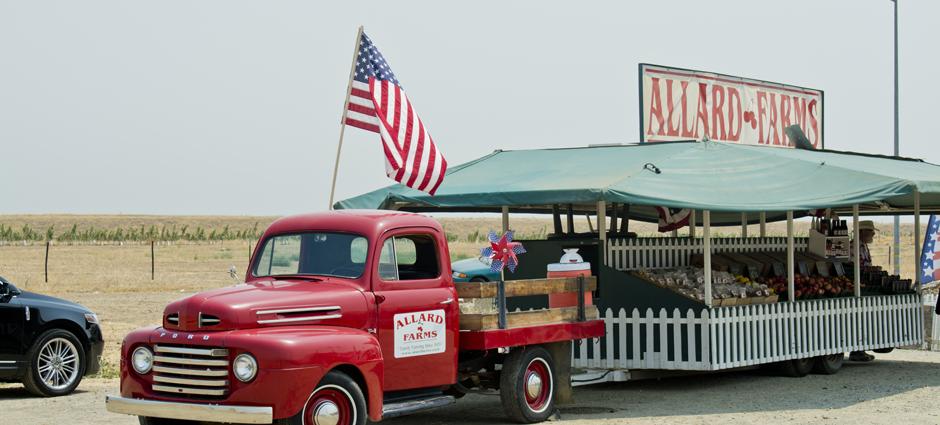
(867, 225)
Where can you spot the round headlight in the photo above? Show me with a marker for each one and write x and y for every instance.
(142, 360)
(245, 367)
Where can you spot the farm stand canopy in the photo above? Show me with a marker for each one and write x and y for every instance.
(725, 178)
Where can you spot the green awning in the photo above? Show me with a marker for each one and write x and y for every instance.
(725, 178)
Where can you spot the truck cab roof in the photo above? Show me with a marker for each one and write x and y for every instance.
(369, 223)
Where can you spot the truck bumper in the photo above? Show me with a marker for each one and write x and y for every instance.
(190, 411)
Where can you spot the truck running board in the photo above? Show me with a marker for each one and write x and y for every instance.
(393, 410)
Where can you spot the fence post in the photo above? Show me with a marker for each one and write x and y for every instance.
(153, 267)
(47, 261)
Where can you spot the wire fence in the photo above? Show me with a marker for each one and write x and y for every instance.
(65, 259)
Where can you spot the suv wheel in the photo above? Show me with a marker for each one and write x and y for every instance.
(57, 364)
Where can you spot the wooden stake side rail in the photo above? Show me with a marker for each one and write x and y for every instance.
(656, 253)
(518, 319)
(729, 337)
(524, 287)
(499, 291)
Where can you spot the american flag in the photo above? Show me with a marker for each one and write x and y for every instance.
(672, 218)
(377, 103)
(930, 258)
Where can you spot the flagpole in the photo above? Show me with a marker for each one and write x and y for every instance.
(342, 120)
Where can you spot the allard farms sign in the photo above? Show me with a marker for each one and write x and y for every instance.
(420, 333)
(681, 104)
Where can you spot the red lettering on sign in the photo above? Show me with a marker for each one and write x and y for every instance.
(734, 114)
(813, 123)
(799, 112)
(785, 117)
(686, 131)
(672, 106)
(656, 109)
(761, 112)
(702, 110)
(774, 120)
(718, 113)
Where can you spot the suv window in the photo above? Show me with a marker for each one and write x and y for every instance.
(409, 257)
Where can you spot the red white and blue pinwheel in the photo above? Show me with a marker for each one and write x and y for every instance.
(503, 251)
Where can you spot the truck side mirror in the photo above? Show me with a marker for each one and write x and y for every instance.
(233, 273)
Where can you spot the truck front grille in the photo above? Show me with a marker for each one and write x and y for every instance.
(189, 371)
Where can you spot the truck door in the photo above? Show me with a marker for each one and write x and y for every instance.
(417, 309)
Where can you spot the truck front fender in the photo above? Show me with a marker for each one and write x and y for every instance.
(326, 347)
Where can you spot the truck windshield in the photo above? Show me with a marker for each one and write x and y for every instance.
(321, 254)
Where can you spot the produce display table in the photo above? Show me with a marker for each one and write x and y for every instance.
(652, 325)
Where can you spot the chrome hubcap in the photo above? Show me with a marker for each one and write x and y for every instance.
(58, 363)
(327, 413)
(533, 385)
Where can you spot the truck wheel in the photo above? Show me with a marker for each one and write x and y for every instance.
(527, 385)
(337, 400)
(828, 365)
(797, 368)
(57, 364)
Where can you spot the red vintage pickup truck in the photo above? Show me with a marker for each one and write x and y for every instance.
(344, 316)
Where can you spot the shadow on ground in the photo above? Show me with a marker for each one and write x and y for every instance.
(715, 393)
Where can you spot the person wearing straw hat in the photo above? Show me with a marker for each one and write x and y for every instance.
(866, 231)
(866, 234)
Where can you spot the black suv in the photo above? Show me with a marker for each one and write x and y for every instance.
(46, 343)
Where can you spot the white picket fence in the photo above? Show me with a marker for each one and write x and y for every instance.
(651, 253)
(735, 336)
(933, 334)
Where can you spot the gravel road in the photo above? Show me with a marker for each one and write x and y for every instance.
(901, 387)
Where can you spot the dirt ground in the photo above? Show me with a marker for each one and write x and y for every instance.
(901, 387)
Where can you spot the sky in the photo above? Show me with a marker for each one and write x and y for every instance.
(233, 107)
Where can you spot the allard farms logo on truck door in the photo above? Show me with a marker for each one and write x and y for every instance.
(420, 333)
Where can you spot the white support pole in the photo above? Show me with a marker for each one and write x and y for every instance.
(917, 246)
(744, 225)
(342, 120)
(791, 279)
(692, 224)
(707, 251)
(856, 249)
(763, 224)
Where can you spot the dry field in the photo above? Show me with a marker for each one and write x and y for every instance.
(114, 279)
